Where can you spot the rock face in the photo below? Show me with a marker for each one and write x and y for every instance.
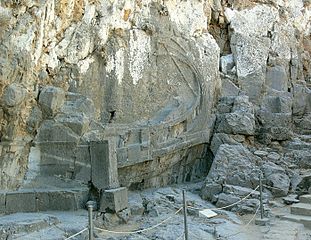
(141, 74)
(178, 88)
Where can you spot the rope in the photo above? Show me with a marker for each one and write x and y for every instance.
(181, 236)
(230, 205)
(196, 236)
(78, 233)
(142, 230)
(272, 187)
(237, 233)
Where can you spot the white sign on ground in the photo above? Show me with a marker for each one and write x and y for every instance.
(207, 213)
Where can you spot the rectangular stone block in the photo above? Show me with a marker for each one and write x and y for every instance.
(82, 165)
(104, 164)
(134, 153)
(62, 201)
(20, 202)
(114, 200)
(42, 201)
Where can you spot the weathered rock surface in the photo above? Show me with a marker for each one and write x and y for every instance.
(180, 88)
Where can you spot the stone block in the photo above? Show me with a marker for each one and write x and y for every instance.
(62, 201)
(114, 200)
(276, 78)
(77, 122)
(104, 172)
(51, 131)
(134, 154)
(82, 165)
(51, 99)
(20, 202)
(42, 200)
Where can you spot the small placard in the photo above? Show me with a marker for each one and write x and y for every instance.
(207, 213)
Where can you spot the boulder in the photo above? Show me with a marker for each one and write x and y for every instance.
(14, 95)
(51, 99)
(235, 165)
(237, 123)
(277, 104)
(77, 103)
(276, 177)
(219, 139)
(225, 199)
(238, 118)
(209, 190)
(301, 100)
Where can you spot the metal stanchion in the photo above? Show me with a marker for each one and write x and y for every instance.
(185, 215)
(262, 221)
(90, 206)
(260, 190)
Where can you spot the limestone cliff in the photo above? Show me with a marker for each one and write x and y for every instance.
(147, 76)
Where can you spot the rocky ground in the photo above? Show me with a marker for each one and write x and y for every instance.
(150, 207)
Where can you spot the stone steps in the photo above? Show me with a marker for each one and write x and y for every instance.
(305, 199)
(300, 212)
(15, 224)
(38, 200)
(301, 209)
(305, 220)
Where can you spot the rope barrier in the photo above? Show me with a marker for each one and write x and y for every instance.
(196, 236)
(78, 233)
(142, 230)
(272, 187)
(237, 233)
(181, 236)
(230, 205)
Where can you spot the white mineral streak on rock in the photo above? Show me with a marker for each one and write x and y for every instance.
(46, 33)
(116, 64)
(139, 51)
(110, 66)
(119, 63)
(188, 16)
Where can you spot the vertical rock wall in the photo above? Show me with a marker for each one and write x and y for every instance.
(147, 74)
